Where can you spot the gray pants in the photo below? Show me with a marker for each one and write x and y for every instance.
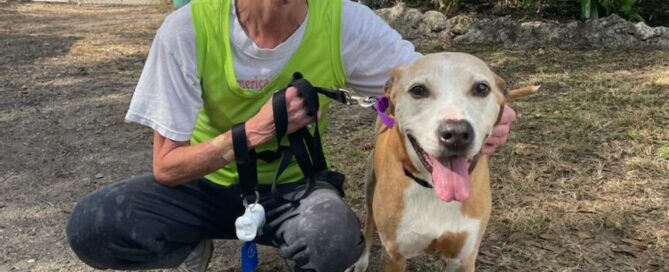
(140, 224)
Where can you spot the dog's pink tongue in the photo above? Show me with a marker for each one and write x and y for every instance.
(451, 178)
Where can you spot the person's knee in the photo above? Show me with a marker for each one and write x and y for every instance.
(332, 233)
(84, 229)
(98, 224)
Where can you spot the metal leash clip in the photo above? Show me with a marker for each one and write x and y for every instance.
(247, 225)
(246, 202)
(363, 101)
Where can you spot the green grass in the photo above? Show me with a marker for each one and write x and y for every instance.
(663, 152)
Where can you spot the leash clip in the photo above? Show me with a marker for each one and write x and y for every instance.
(246, 202)
(247, 225)
(363, 101)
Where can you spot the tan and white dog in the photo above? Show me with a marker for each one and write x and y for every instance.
(429, 189)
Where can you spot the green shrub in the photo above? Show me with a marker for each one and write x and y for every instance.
(627, 9)
(589, 9)
(445, 6)
(655, 12)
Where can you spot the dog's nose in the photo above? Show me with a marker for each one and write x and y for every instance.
(456, 135)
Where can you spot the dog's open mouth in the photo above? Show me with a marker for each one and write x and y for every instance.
(450, 176)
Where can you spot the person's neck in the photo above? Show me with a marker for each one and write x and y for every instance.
(268, 23)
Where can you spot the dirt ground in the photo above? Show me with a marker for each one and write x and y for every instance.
(582, 185)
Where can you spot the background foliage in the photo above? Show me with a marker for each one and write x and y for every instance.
(653, 12)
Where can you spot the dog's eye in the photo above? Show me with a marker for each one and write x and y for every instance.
(419, 91)
(481, 89)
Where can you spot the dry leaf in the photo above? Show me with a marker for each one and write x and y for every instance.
(634, 242)
(529, 199)
(625, 250)
(586, 211)
(550, 248)
(525, 149)
(583, 235)
(487, 253)
(547, 236)
(533, 243)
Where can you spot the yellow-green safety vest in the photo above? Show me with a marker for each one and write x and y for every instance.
(318, 58)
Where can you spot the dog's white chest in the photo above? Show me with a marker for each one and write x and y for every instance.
(426, 218)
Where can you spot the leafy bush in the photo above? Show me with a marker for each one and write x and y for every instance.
(655, 12)
(445, 6)
(627, 9)
(589, 9)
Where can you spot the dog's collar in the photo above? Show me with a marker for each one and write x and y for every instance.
(381, 105)
(418, 180)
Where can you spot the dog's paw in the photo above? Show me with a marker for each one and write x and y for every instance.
(361, 264)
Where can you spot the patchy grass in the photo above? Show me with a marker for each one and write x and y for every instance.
(583, 183)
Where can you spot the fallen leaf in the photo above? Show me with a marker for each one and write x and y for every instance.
(583, 235)
(487, 253)
(586, 211)
(533, 243)
(634, 242)
(550, 248)
(625, 250)
(525, 149)
(547, 236)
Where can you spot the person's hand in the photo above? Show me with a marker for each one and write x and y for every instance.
(260, 128)
(500, 132)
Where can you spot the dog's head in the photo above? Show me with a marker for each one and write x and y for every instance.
(445, 105)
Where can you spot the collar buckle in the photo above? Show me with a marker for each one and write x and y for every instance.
(363, 101)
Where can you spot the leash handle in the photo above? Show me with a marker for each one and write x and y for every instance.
(246, 164)
(306, 149)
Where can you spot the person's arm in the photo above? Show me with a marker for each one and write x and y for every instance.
(177, 162)
(168, 99)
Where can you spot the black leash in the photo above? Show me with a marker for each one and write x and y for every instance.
(246, 165)
(305, 147)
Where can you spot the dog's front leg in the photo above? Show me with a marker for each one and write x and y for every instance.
(393, 263)
(467, 266)
(370, 228)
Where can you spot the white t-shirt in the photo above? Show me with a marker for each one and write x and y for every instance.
(168, 95)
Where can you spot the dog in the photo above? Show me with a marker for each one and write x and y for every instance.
(428, 187)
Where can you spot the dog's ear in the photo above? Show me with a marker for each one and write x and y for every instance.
(390, 90)
(501, 84)
(391, 84)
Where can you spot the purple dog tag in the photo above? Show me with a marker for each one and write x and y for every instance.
(381, 106)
